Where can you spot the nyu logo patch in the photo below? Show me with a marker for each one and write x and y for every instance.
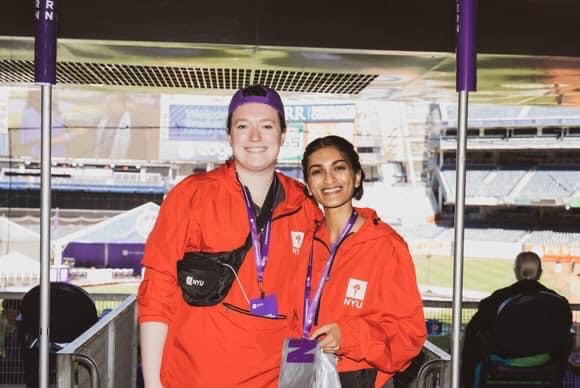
(297, 240)
(190, 281)
(355, 293)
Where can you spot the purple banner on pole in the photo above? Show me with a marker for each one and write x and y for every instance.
(45, 15)
(466, 45)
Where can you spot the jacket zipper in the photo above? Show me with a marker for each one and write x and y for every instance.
(287, 214)
(329, 271)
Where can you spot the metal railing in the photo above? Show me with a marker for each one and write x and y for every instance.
(435, 370)
(108, 350)
(106, 355)
(12, 371)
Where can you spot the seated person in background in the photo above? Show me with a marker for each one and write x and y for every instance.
(11, 367)
(527, 269)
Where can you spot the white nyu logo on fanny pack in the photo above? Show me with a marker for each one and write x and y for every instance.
(190, 281)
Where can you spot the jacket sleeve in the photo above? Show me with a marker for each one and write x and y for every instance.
(391, 337)
(159, 291)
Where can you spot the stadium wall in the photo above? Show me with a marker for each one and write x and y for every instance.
(473, 249)
(555, 252)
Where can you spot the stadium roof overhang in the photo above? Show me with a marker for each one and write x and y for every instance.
(400, 51)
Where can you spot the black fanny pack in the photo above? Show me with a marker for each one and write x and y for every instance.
(206, 278)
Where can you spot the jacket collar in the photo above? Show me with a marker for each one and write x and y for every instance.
(290, 197)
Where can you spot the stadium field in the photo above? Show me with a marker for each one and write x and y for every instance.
(483, 275)
(479, 275)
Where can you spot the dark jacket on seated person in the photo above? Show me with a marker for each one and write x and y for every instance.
(484, 319)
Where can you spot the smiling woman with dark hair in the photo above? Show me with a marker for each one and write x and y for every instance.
(361, 296)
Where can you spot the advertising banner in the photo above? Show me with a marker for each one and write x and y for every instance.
(193, 128)
(293, 146)
(197, 122)
(320, 113)
(86, 124)
(322, 120)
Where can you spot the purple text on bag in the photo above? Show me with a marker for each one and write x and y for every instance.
(301, 351)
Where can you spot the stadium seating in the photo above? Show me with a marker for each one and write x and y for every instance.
(544, 183)
(547, 184)
(485, 234)
(548, 237)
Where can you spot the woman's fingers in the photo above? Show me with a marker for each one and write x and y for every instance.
(330, 349)
(329, 337)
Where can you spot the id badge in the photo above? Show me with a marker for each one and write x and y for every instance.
(266, 306)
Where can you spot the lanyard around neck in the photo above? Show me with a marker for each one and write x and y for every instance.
(311, 304)
(261, 246)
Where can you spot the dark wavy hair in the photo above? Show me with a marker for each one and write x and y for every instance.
(346, 150)
(255, 90)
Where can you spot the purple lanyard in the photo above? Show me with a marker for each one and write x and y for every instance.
(311, 305)
(261, 247)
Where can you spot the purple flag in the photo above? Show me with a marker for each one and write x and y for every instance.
(45, 15)
(466, 48)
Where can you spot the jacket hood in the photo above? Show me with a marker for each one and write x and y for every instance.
(372, 229)
(293, 191)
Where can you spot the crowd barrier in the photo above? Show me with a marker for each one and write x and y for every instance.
(106, 354)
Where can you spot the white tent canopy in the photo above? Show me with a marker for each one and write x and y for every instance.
(17, 238)
(15, 263)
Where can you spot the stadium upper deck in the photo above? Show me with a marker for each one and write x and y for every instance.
(517, 156)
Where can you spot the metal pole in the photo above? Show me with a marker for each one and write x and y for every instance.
(458, 247)
(43, 356)
(46, 16)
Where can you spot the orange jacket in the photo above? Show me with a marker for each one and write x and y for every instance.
(372, 295)
(216, 346)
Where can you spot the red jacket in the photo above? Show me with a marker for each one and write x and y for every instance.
(216, 346)
(372, 294)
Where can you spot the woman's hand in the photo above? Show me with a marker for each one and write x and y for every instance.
(329, 337)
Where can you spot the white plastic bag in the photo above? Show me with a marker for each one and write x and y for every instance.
(326, 375)
(304, 365)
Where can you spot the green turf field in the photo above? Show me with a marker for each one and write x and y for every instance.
(478, 274)
(485, 275)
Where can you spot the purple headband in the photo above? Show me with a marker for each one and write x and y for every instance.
(270, 97)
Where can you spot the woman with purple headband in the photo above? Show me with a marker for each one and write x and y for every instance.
(241, 218)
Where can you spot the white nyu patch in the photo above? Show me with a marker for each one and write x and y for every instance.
(356, 289)
(297, 240)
